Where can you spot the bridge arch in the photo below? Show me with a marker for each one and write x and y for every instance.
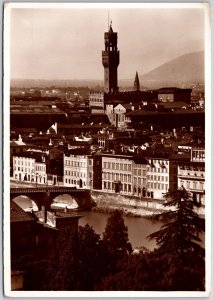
(64, 200)
(26, 203)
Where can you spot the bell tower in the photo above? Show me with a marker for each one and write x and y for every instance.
(110, 61)
(136, 83)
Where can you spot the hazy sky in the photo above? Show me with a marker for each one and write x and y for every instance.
(67, 43)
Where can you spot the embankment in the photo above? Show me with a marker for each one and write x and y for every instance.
(130, 205)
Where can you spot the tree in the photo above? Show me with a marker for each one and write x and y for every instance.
(115, 236)
(63, 268)
(138, 272)
(90, 258)
(182, 226)
(179, 239)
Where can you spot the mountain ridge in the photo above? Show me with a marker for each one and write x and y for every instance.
(187, 67)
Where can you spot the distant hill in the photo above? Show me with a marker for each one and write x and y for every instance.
(183, 69)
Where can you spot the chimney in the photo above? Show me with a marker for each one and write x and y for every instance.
(43, 214)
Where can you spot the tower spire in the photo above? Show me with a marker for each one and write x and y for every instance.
(136, 83)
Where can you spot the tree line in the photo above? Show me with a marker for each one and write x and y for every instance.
(91, 262)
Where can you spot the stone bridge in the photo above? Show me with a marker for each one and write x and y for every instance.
(44, 196)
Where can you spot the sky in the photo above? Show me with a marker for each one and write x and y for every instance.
(66, 43)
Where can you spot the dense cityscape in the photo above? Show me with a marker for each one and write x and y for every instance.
(130, 151)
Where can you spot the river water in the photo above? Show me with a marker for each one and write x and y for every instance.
(138, 227)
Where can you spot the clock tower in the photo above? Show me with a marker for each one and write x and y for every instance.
(110, 60)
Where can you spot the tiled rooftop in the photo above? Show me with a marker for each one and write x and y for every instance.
(17, 214)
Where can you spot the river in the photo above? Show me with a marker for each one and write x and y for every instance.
(138, 227)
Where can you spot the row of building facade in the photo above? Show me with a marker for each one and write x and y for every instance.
(150, 174)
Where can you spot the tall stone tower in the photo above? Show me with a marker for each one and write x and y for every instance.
(136, 83)
(110, 60)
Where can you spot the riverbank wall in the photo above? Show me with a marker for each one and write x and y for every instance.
(130, 205)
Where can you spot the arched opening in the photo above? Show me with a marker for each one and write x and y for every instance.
(64, 201)
(26, 203)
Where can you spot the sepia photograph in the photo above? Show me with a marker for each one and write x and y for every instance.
(106, 110)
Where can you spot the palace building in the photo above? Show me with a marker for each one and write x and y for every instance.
(106, 102)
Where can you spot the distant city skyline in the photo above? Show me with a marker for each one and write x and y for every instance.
(57, 43)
